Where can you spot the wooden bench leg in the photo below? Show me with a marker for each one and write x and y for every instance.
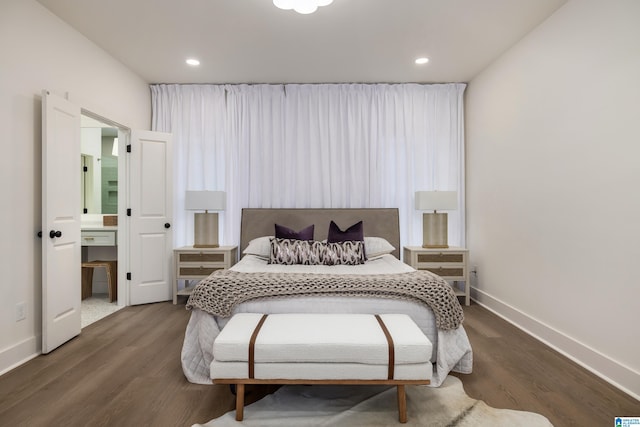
(402, 404)
(239, 402)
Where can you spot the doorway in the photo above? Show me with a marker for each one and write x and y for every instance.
(100, 232)
(142, 233)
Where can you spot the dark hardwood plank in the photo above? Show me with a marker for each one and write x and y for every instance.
(515, 371)
(125, 371)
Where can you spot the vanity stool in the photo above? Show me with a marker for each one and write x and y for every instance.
(111, 267)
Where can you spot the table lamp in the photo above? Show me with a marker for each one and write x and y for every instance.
(205, 225)
(434, 224)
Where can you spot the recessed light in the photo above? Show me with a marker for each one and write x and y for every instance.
(422, 60)
(304, 7)
(193, 62)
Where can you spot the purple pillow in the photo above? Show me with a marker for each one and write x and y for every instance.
(287, 233)
(353, 233)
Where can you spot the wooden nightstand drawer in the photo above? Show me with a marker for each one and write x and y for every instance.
(185, 271)
(446, 272)
(201, 257)
(441, 257)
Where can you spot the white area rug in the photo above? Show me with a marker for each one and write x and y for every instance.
(447, 405)
(96, 307)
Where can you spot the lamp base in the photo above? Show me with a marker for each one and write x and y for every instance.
(434, 230)
(205, 230)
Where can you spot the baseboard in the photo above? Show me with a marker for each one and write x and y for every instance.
(16, 355)
(618, 375)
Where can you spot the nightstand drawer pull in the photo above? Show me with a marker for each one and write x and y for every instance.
(440, 257)
(446, 272)
(201, 257)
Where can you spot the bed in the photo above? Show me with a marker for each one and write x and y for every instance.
(451, 348)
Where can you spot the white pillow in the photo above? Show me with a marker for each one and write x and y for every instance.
(375, 247)
(260, 246)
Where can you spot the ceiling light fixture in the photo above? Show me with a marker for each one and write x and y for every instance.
(301, 6)
(193, 62)
(422, 60)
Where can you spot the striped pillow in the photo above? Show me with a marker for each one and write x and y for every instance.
(290, 251)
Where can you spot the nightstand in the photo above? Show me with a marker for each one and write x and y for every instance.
(194, 264)
(448, 263)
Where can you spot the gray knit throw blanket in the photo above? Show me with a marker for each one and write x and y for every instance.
(219, 293)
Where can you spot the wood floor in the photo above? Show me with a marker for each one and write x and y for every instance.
(125, 371)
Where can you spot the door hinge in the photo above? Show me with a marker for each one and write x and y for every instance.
(128, 211)
(85, 210)
(128, 276)
(85, 169)
(128, 148)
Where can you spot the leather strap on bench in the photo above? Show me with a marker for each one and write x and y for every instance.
(252, 346)
(392, 360)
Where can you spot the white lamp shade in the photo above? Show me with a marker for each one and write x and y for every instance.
(206, 200)
(436, 200)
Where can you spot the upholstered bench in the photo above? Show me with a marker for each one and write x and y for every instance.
(321, 349)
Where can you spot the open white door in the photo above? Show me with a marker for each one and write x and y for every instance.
(150, 235)
(60, 221)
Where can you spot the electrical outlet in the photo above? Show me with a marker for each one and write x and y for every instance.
(21, 312)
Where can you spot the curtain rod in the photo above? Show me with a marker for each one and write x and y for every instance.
(317, 84)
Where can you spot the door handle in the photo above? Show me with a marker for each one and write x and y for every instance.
(54, 233)
(167, 225)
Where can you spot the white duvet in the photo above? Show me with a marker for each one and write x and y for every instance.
(451, 349)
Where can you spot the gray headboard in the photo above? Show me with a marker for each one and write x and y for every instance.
(382, 222)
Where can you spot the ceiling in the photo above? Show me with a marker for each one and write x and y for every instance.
(252, 41)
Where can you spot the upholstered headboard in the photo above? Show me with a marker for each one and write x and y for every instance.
(382, 222)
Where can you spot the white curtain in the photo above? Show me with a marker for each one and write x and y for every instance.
(314, 145)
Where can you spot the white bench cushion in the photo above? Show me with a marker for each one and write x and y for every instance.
(341, 338)
(326, 346)
(321, 371)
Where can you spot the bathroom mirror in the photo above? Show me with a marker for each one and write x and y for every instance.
(99, 167)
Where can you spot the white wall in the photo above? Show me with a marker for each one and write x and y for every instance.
(553, 191)
(38, 51)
